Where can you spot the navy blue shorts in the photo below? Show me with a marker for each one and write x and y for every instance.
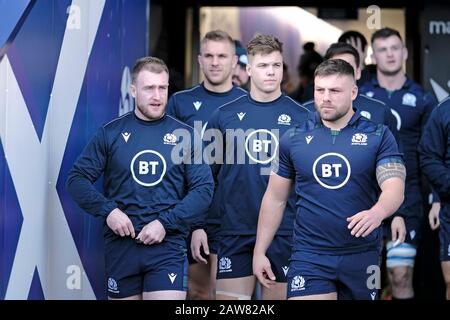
(444, 237)
(351, 276)
(235, 256)
(133, 268)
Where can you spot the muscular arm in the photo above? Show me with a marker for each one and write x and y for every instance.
(271, 211)
(270, 216)
(391, 179)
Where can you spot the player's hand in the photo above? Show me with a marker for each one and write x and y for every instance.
(153, 232)
(398, 229)
(364, 222)
(199, 239)
(119, 223)
(433, 216)
(263, 271)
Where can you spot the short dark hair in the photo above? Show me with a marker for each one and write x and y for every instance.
(218, 35)
(385, 33)
(151, 64)
(334, 66)
(264, 44)
(349, 35)
(342, 48)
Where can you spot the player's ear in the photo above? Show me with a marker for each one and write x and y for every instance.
(133, 90)
(405, 53)
(234, 61)
(354, 92)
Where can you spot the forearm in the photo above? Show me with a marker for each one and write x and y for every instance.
(438, 175)
(391, 198)
(270, 216)
(191, 210)
(88, 197)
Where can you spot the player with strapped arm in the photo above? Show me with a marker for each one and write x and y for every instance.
(153, 190)
(337, 161)
(217, 60)
(372, 109)
(249, 128)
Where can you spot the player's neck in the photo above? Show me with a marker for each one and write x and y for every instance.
(340, 123)
(218, 88)
(391, 82)
(261, 96)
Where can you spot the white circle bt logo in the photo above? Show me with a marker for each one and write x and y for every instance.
(148, 168)
(331, 170)
(258, 144)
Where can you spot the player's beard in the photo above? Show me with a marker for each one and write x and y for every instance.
(149, 114)
(334, 116)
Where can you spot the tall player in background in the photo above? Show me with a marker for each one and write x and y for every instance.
(249, 128)
(194, 106)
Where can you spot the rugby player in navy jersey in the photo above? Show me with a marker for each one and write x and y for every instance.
(412, 106)
(194, 106)
(370, 108)
(152, 191)
(249, 129)
(434, 151)
(337, 161)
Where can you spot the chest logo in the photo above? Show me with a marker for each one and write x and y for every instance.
(409, 99)
(148, 168)
(126, 136)
(332, 170)
(284, 119)
(261, 146)
(359, 139)
(197, 104)
(170, 138)
(241, 115)
(366, 114)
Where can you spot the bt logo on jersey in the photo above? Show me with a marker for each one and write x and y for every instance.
(148, 168)
(144, 167)
(261, 146)
(332, 170)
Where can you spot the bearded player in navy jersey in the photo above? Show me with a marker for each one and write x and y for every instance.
(336, 161)
(370, 108)
(412, 106)
(249, 129)
(153, 191)
(194, 106)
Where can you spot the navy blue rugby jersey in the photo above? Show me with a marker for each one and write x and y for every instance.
(434, 151)
(150, 172)
(250, 131)
(198, 103)
(335, 177)
(411, 106)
